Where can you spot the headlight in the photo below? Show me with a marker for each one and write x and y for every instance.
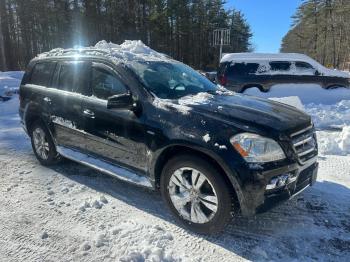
(257, 149)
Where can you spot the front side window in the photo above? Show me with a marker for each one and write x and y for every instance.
(105, 84)
(74, 77)
(304, 68)
(42, 73)
(171, 80)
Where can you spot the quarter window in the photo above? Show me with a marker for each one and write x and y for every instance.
(42, 74)
(105, 84)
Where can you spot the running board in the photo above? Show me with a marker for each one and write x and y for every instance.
(105, 167)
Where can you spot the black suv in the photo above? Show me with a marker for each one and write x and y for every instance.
(238, 72)
(160, 124)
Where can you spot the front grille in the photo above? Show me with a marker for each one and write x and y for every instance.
(304, 144)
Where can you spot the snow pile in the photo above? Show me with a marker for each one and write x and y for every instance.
(325, 116)
(9, 83)
(127, 51)
(334, 143)
(264, 59)
(308, 93)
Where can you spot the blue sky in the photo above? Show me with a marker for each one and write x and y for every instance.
(270, 20)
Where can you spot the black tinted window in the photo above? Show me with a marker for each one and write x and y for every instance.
(243, 68)
(280, 66)
(42, 73)
(74, 77)
(251, 68)
(237, 69)
(105, 84)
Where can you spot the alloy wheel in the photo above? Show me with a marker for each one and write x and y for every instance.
(193, 195)
(41, 143)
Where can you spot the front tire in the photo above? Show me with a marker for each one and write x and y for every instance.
(196, 192)
(42, 144)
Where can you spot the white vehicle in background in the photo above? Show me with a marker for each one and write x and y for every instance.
(240, 71)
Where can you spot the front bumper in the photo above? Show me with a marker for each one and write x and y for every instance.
(305, 178)
(259, 196)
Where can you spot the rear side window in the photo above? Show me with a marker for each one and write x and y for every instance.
(74, 77)
(106, 84)
(251, 68)
(280, 66)
(242, 69)
(42, 74)
(237, 69)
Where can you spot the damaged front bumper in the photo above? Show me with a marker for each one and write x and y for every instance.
(273, 186)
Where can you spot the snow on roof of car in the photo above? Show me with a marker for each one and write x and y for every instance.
(128, 51)
(288, 57)
(265, 56)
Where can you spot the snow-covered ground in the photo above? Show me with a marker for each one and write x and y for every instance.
(9, 82)
(70, 212)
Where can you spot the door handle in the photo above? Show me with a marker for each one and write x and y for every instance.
(89, 113)
(47, 100)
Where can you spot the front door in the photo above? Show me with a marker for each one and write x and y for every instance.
(115, 134)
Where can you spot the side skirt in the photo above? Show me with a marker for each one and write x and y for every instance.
(105, 167)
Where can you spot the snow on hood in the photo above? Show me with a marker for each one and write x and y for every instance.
(183, 105)
(127, 51)
(264, 58)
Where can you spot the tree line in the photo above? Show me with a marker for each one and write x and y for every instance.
(180, 28)
(321, 29)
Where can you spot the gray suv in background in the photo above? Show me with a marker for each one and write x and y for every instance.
(240, 71)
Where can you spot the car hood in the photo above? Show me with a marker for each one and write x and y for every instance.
(247, 110)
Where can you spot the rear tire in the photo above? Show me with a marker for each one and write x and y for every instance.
(43, 145)
(197, 194)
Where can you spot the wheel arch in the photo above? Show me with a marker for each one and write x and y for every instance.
(259, 86)
(33, 114)
(173, 150)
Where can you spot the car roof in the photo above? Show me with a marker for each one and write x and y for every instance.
(258, 57)
(126, 52)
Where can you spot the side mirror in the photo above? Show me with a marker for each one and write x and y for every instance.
(317, 73)
(123, 101)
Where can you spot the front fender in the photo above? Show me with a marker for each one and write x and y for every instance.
(229, 172)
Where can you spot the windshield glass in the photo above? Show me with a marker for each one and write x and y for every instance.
(171, 80)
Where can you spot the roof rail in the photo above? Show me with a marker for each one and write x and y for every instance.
(86, 50)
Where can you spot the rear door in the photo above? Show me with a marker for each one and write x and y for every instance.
(36, 88)
(71, 84)
(115, 134)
